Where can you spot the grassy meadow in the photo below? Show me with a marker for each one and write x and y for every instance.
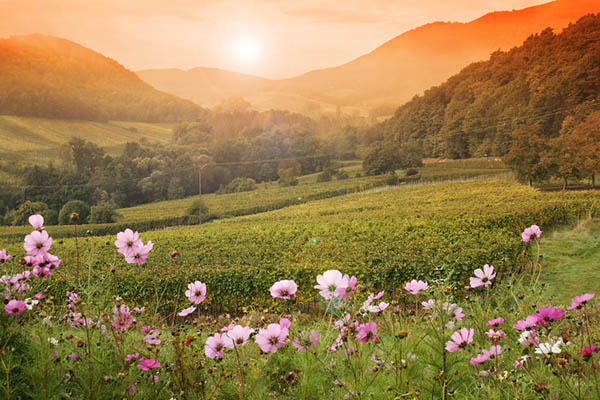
(38, 140)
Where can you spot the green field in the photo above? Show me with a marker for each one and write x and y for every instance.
(271, 196)
(385, 238)
(38, 140)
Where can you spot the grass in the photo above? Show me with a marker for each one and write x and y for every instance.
(572, 261)
(38, 140)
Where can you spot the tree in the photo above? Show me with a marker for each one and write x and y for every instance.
(175, 190)
(584, 143)
(85, 156)
(561, 160)
(381, 157)
(526, 154)
(28, 208)
(74, 206)
(103, 213)
(288, 171)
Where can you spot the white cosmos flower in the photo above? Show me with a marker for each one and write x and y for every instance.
(549, 347)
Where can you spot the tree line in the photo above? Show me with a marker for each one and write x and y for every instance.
(536, 86)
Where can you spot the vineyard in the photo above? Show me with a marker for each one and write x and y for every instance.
(435, 232)
(268, 196)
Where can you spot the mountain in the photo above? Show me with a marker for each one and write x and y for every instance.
(391, 74)
(205, 86)
(545, 85)
(45, 76)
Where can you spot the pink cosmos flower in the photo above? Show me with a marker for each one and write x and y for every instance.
(495, 351)
(37, 243)
(147, 365)
(548, 314)
(216, 344)
(127, 242)
(39, 296)
(73, 297)
(414, 286)
(239, 335)
(495, 336)
(174, 254)
(228, 327)
(122, 318)
(304, 343)
(579, 301)
(521, 362)
(130, 357)
(350, 288)
(15, 307)
(196, 292)
(73, 356)
(4, 256)
(187, 311)
(32, 261)
(331, 283)
(429, 304)
(285, 323)
(271, 339)
(40, 272)
(480, 358)
(146, 329)
(367, 332)
(52, 261)
(37, 221)
(495, 321)
(460, 339)
(152, 338)
(483, 277)
(588, 351)
(140, 254)
(284, 289)
(528, 323)
(374, 308)
(528, 233)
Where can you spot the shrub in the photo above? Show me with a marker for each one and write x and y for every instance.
(194, 210)
(50, 217)
(411, 172)
(324, 176)
(103, 212)
(21, 215)
(74, 206)
(288, 183)
(238, 185)
(391, 179)
(341, 174)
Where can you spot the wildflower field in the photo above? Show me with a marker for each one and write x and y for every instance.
(417, 292)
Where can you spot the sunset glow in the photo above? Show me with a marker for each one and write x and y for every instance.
(295, 37)
(246, 49)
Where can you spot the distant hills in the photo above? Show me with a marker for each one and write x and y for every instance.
(538, 85)
(391, 74)
(44, 76)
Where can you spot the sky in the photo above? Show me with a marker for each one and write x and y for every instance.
(270, 38)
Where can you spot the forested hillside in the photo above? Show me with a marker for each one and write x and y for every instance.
(474, 113)
(44, 76)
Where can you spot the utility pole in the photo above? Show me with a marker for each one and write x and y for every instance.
(201, 167)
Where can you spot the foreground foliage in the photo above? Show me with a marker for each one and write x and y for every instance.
(423, 340)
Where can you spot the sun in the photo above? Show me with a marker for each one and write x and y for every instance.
(246, 49)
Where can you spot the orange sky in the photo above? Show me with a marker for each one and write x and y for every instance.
(271, 38)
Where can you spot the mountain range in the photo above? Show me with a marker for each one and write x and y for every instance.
(45, 76)
(389, 75)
